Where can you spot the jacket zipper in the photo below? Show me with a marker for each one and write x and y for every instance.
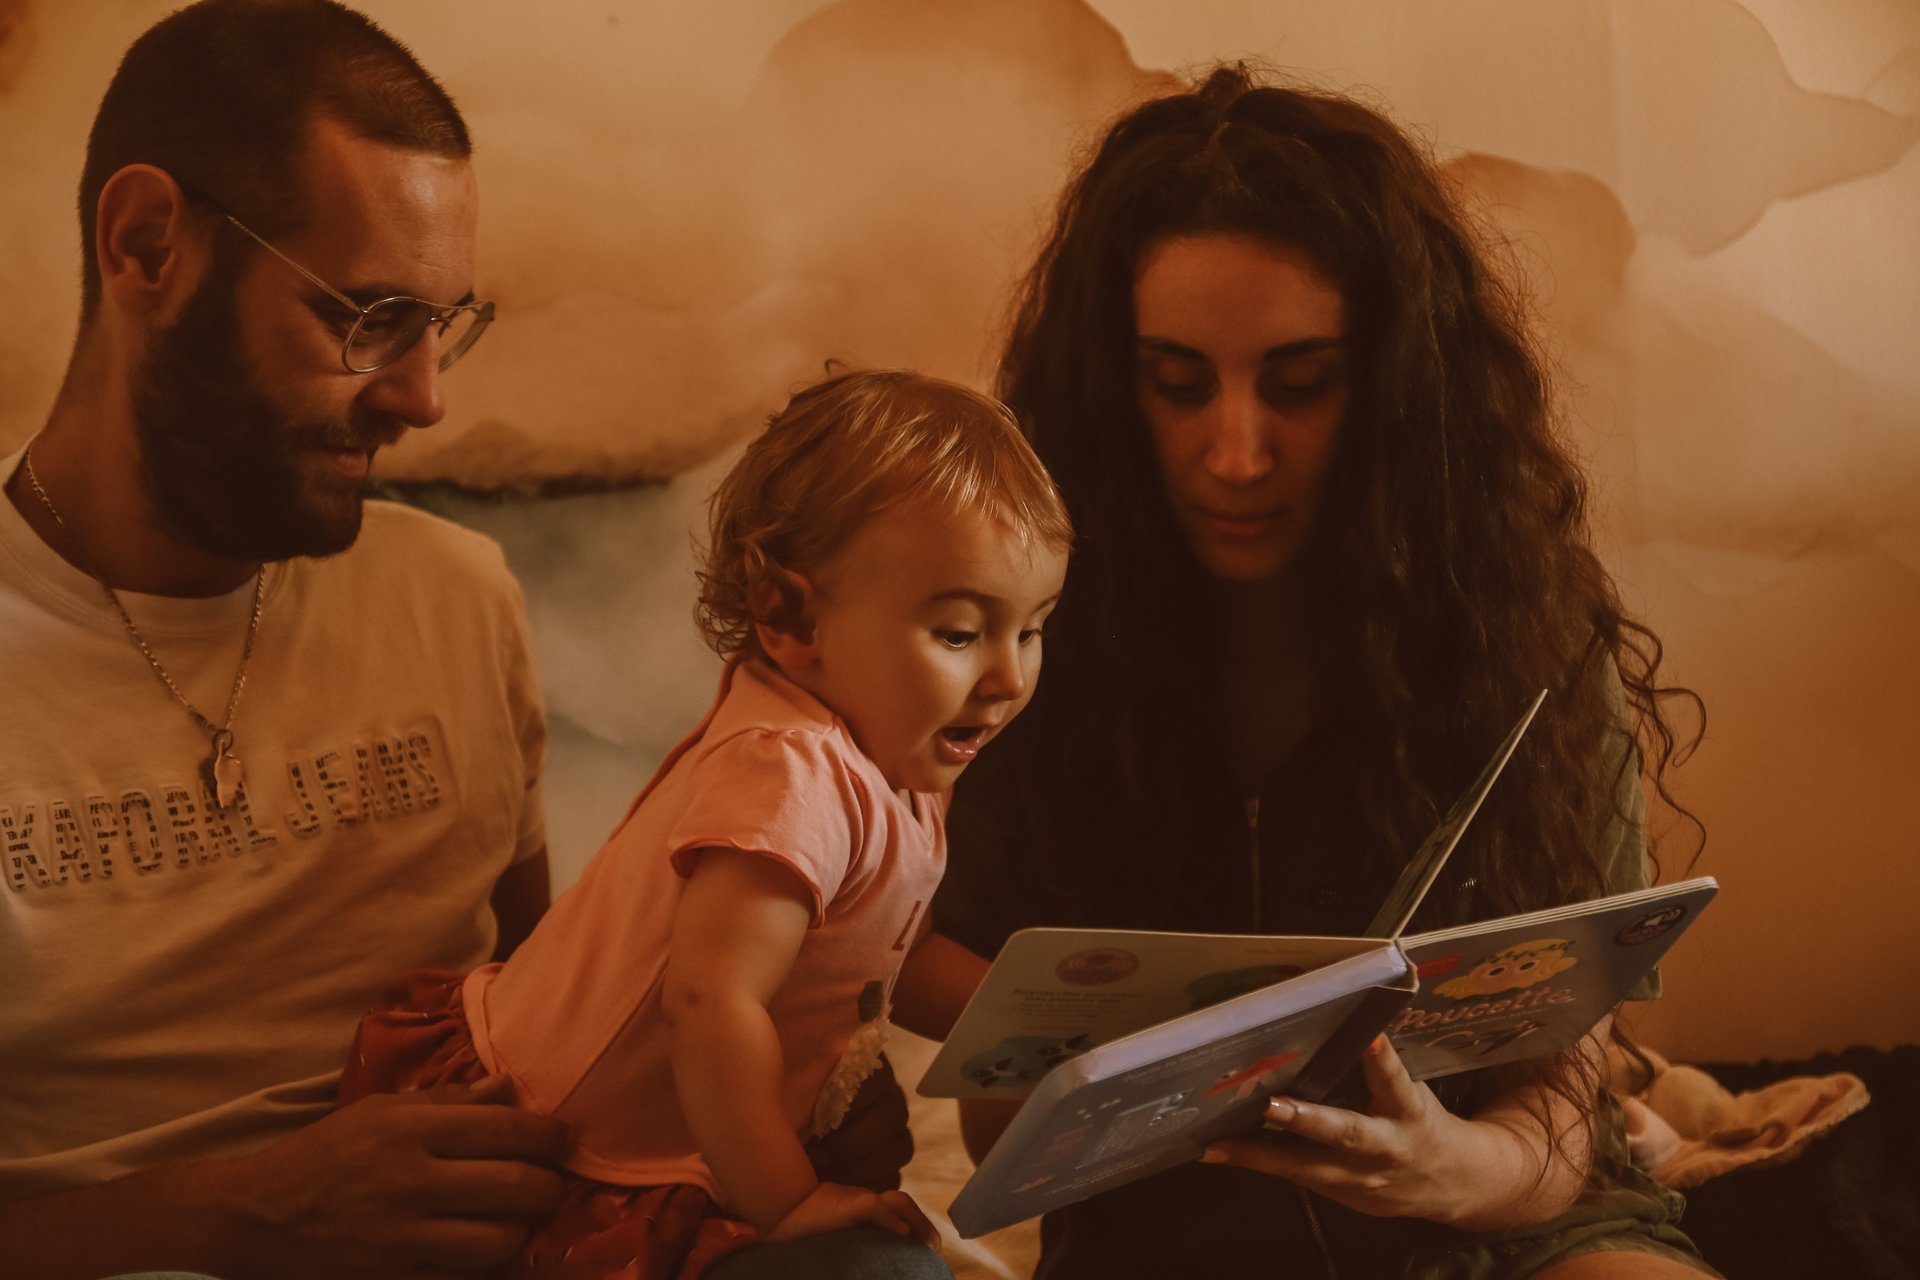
(1253, 863)
(1319, 1234)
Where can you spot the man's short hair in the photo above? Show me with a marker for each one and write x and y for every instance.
(221, 95)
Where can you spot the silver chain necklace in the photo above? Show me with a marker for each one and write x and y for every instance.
(221, 770)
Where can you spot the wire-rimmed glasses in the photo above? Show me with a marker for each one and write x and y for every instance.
(386, 329)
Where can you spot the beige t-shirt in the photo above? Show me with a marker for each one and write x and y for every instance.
(177, 982)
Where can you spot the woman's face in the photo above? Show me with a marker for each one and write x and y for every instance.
(1242, 374)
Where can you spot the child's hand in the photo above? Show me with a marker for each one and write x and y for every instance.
(833, 1207)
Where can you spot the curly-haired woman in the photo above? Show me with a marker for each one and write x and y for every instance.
(1329, 545)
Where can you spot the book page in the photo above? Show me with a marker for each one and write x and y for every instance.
(1052, 994)
(1533, 984)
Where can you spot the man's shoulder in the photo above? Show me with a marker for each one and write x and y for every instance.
(413, 541)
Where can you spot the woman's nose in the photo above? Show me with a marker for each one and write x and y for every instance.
(1239, 446)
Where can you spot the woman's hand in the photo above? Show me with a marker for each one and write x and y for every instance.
(833, 1207)
(1408, 1156)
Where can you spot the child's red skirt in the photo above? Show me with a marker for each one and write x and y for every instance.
(417, 1037)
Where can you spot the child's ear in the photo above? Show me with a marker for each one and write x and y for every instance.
(783, 620)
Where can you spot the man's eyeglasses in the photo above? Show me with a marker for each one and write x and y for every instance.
(385, 330)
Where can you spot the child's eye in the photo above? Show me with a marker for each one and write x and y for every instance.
(956, 639)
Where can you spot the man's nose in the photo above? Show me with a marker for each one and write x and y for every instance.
(409, 388)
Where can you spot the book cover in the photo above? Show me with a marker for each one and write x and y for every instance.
(1154, 1099)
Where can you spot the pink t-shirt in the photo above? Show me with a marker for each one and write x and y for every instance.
(574, 1017)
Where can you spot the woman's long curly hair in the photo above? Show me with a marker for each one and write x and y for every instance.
(1449, 575)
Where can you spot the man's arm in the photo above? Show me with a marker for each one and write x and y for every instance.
(431, 1183)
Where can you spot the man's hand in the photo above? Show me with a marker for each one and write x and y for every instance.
(832, 1207)
(437, 1183)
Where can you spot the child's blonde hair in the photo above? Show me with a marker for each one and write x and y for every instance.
(843, 450)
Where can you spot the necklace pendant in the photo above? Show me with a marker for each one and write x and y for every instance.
(221, 770)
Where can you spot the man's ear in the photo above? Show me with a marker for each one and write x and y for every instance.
(783, 616)
(147, 243)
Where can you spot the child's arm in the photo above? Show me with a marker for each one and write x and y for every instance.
(735, 936)
(936, 980)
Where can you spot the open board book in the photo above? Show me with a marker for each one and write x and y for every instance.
(1134, 1050)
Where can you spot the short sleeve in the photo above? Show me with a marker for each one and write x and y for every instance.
(787, 794)
(529, 714)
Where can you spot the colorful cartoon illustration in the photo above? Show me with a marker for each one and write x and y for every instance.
(1149, 1122)
(1228, 983)
(1243, 1082)
(1485, 1039)
(1524, 964)
(1097, 967)
(1652, 925)
(1021, 1060)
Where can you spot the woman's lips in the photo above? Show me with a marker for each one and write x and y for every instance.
(1238, 525)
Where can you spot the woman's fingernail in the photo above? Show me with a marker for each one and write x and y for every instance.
(1379, 1045)
(1281, 1111)
(1212, 1155)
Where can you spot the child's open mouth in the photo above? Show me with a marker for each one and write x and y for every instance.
(959, 744)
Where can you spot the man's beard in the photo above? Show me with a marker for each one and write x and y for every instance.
(222, 462)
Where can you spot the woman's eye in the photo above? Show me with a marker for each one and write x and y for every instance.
(1183, 392)
(1295, 389)
(1029, 635)
(956, 639)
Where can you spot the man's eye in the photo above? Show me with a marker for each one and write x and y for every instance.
(335, 316)
(956, 639)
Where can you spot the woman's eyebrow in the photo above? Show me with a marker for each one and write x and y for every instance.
(1285, 351)
(1303, 347)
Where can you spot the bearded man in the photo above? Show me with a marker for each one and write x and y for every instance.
(267, 744)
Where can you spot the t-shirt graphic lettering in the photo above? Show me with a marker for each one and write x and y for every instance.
(56, 838)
